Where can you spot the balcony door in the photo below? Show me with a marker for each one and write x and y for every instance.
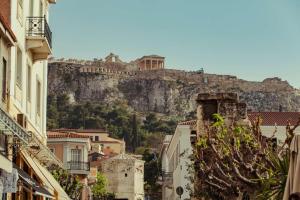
(75, 158)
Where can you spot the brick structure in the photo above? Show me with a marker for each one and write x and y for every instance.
(151, 62)
(225, 104)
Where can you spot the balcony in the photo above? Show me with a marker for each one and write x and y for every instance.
(38, 38)
(76, 167)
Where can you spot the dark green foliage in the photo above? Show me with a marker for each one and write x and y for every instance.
(117, 118)
(151, 173)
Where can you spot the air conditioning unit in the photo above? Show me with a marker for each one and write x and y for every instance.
(22, 120)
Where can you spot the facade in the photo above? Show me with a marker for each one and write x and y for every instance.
(176, 162)
(274, 123)
(152, 62)
(125, 175)
(72, 150)
(25, 44)
(100, 141)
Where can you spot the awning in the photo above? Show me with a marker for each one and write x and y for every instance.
(30, 182)
(39, 150)
(5, 164)
(49, 181)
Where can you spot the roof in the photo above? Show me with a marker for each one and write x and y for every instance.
(64, 135)
(190, 122)
(80, 130)
(275, 118)
(7, 27)
(152, 56)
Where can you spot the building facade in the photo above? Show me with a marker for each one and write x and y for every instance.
(25, 44)
(273, 124)
(100, 141)
(72, 150)
(125, 175)
(177, 170)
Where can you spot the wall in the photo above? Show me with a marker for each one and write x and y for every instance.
(19, 103)
(123, 178)
(58, 150)
(178, 152)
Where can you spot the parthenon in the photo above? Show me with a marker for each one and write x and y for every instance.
(151, 62)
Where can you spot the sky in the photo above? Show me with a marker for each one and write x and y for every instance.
(250, 39)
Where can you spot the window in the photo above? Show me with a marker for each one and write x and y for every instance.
(28, 82)
(75, 155)
(125, 174)
(20, 11)
(38, 98)
(96, 138)
(91, 138)
(4, 81)
(19, 68)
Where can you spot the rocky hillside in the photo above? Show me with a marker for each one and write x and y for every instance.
(166, 91)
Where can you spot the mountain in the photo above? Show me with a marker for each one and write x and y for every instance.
(165, 91)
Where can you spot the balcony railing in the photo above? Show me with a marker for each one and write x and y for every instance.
(38, 26)
(10, 126)
(75, 165)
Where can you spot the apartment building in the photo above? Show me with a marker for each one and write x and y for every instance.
(72, 149)
(100, 141)
(25, 44)
(177, 169)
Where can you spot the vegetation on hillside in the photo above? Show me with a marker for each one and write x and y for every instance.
(143, 134)
(118, 119)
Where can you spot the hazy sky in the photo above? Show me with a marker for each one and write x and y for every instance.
(252, 39)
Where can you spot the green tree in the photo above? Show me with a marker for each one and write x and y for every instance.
(69, 182)
(237, 160)
(99, 188)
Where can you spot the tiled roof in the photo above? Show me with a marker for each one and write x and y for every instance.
(7, 27)
(108, 141)
(191, 122)
(272, 118)
(64, 135)
(80, 130)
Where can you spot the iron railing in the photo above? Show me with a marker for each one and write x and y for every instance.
(38, 26)
(76, 165)
(10, 126)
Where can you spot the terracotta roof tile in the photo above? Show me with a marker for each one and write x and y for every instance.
(64, 135)
(7, 27)
(80, 130)
(272, 118)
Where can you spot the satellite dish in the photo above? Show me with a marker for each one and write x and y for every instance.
(179, 191)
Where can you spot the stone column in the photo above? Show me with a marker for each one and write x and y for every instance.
(151, 62)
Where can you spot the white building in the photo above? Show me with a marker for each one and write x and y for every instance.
(274, 123)
(177, 169)
(25, 44)
(125, 175)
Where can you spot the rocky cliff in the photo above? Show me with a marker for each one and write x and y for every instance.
(166, 91)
